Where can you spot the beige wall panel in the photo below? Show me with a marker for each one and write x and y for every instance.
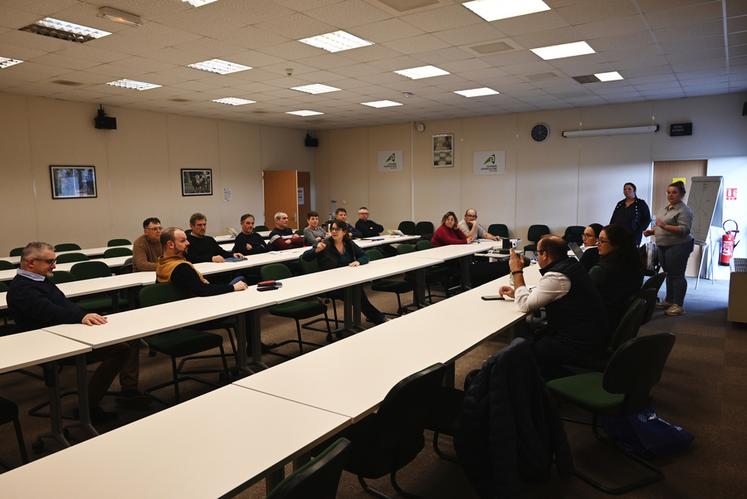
(239, 145)
(342, 167)
(389, 193)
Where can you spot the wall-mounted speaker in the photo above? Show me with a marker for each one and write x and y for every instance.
(310, 141)
(104, 122)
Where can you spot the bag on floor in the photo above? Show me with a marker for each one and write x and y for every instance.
(646, 434)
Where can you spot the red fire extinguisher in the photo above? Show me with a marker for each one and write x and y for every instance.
(728, 243)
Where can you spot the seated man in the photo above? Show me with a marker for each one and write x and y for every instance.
(147, 248)
(576, 320)
(341, 215)
(173, 267)
(249, 242)
(203, 248)
(366, 226)
(470, 227)
(35, 302)
(282, 236)
(313, 233)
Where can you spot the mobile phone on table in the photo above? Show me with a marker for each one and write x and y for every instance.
(491, 297)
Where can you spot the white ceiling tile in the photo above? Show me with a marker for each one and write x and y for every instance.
(327, 61)
(540, 21)
(296, 26)
(470, 35)
(588, 11)
(388, 29)
(464, 66)
(443, 18)
(684, 15)
(673, 34)
(737, 24)
(421, 43)
(292, 50)
(612, 27)
(372, 53)
(348, 13)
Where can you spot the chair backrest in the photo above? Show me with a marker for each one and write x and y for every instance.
(636, 367)
(90, 270)
(319, 478)
(500, 230)
(655, 282)
(629, 324)
(423, 244)
(260, 228)
(573, 234)
(308, 266)
(6, 265)
(72, 257)
(118, 242)
(16, 251)
(3, 287)
(66, 247)
(424, 229)
(274, 271)
(536, 231)
(60, 276)
(156, 294)
(112, 252)
(405, 248)
(374, 254)
(407, 227)
(649, 296)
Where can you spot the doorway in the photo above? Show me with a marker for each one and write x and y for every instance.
(288, 191)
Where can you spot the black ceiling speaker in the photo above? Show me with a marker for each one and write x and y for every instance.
(104, 122)
(310, 141)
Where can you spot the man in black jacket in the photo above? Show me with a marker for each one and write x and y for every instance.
(203, 248)
(249, 242)
(366, 226)
(35, 302)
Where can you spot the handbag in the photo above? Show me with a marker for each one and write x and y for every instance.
(646, 434)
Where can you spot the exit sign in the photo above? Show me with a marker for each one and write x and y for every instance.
(731, 193)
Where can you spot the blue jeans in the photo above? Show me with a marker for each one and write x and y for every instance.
(674, 261)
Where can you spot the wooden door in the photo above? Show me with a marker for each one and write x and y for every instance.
(304, 196)
(281, 194)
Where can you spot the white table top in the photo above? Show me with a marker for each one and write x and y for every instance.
(458, 250)
(205, 447)
(86, 251)
(35, 347)
(114, 262)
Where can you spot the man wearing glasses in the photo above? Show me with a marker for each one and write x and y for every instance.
(35, 302)
(366, 226)
(472, 229)
(147, 248)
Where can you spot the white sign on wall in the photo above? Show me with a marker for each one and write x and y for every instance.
(390, 161)
(301, 196)
(489, 162)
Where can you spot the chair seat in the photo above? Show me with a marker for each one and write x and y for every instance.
(445, 411)
(299, 309)
(392, 286)
(586, 391)
(184, 342)
(96, 303)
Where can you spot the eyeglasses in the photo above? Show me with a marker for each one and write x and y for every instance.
(48, 261)
(591, 236)
(470, 216)
(334, 229)
(603, 241)
(156, 229)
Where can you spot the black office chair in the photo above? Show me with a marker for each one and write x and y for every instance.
(534, 234)
(117, 251)
(66, 247)
(407, 227)
(118, 242)
(573, 234)
(9, 414)
(16, 252)
(261, 228)
(425, 230)
(317, 479)
(310, 267)
(498, 230)
(6, 265)
(391, 285)
(72, 257)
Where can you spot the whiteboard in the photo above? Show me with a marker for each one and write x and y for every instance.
(705, 197)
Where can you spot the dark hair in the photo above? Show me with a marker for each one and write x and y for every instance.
(447, 215)
(623, 247)
(631, 184)
(680, 186)
(343, 226)
(555, 246)
(195, 217)
(340, 210)
(245, 216)
(168, 234)
(597, 228)
(312, 214)
(150, 220)
(362, 208)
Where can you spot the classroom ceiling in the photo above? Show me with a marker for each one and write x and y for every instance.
(663, 48)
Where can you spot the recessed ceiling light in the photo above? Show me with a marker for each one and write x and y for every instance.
(315, 88)
(57, 28)
(133, 84)
(336, 41)
(198, 3)
(492, 10)
(477, 92)
(422, 72)
(120, 17)
(304, 112)
(609, 76)
(6, 62)
(563, 50)
(219, 66)
(233, 101)
(381, 103)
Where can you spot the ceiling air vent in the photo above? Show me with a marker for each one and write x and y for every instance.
(495, 47)
(408, 5)
(586, 79)
(68, 83)
(549, 75)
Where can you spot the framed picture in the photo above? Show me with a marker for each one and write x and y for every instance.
(70, 181)
(197, 182)
(443, 151)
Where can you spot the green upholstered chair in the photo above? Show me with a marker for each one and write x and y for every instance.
(16, 252)
(184, 342)
(391, 285)
(6, 265)
(72, 257)
(407, 227)
(9, 414)
(309, 267)
(425, 230)
(534, 234)
(66, 247)
(118, 242)
(623, 389)
(319, 478)
(103, 302)
(117, 251)
(297, 310)
(435, 274)
(498, 230)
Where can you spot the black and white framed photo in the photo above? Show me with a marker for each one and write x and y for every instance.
(73, 181)
(197, 182)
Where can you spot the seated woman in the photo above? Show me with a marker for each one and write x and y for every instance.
(340, 251)
(619, 274)
(590, 238)
(448, 232)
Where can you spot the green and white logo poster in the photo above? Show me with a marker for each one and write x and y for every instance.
(489, 162)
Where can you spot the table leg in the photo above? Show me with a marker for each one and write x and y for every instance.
(274, 478)
(356, 291)
(250, 321)
(418, 292)
(348, 309)
(52, 380)
(115, 300)
(464, 266)
(84, 408)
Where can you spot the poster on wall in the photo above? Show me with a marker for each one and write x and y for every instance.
(390, 161)
(489, 162)
(443, 151)
(69, 182)
(197, 182)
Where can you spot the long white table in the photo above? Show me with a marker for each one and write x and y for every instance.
(209, 446)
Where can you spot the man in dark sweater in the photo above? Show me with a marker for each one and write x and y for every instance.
(35, 302)
(367, 227)
(203, 248)
(341, 215)
(577, 327)
(249, 242)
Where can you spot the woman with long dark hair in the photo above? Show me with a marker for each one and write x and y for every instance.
(632, 213)
(590, 238)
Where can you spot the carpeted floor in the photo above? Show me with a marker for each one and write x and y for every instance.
(703, 390)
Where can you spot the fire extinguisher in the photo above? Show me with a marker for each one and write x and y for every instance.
(728, 243)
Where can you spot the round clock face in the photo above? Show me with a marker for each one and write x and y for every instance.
(540, 132)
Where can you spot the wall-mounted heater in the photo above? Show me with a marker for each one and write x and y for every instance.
(599, 132)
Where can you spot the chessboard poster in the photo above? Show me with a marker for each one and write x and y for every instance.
(443, 151)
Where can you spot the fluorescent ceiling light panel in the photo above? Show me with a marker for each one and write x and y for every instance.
(422, 72)
(198, 3)
(219, 66)
(477, 92)
(572, 49)
(75, 29)
(492, 10)
(381, 103)
(315, 88)
(610, 76)
(336, 41)
(6, 62)
(304, 112)
(233, 101)
(133, 84)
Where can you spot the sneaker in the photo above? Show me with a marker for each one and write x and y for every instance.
(663, 304)
(674, 310)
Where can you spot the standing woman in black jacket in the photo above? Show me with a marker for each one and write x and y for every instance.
(632, 213)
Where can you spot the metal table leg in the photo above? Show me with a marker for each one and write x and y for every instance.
(464, 267)
(356, 292)
(249, 320)
(52, 381)
(418, 292)
(84, 408)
